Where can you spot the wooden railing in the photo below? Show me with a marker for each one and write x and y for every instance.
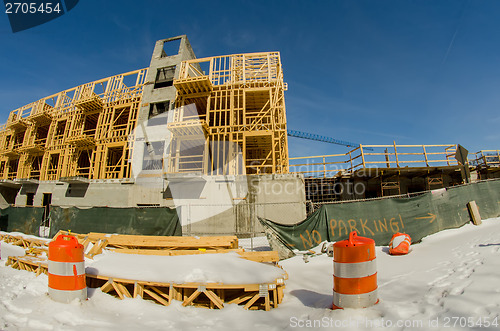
(236, 68)
(487, 158)
(375, 156)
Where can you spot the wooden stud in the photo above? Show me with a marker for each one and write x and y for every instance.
(267, 303)
(138, 290)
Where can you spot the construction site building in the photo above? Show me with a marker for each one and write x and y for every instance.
(206, 136)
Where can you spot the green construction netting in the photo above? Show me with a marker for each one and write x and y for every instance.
(379, 219)
(21, 219)
(136, 221)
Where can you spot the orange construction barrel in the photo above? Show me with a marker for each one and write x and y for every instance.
(400, 244)
(354, 273)
(66, 270)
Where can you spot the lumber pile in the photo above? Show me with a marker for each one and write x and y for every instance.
(32, 246)
(166, 245)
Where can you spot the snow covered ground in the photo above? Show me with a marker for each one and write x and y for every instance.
(450, 281)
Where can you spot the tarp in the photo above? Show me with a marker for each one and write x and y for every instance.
(21, 219)
(136, 221)
(419, 216)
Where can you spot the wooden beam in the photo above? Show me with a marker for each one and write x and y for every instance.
(252, 301)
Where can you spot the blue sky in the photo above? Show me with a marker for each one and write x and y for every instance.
(418, 72)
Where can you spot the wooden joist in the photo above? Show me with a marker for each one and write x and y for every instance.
(264, 256)
(209, 295)
(159, 242)
(130, 245)
(168, 246)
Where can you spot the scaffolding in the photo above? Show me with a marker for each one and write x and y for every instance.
(229, 117)
(82, 133)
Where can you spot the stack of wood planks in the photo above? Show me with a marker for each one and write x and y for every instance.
(32, 246)
(166, 245)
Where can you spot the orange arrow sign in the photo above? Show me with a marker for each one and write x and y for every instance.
(431, 216)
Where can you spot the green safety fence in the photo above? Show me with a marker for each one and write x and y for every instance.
(419, 216)
(135, 221)
(21, 219)
(138, 221)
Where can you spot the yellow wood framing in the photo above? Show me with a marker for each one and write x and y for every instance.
(375, 156)
(84, 131)
(230, 116)
(210, 295)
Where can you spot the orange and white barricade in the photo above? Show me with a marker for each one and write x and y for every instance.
(66, 270)
(400, 244)
(354, 273)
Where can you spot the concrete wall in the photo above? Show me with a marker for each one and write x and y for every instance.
(223, 206)
(206, 204)
(145, 132)
(7, 196)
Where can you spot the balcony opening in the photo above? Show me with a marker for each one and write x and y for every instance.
(84, 163)
(60, 130)
(165, 77)
(120, 122)
(115, 162)
(36, 165)
(191, 155)
(90, 124)
(194, 110)
(41, 134)
(8, 139)
(18, 139)
(12, 169)
(259, 154)
(52, 171)
(257, 109)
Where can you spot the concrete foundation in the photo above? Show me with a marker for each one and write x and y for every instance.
(205, 204)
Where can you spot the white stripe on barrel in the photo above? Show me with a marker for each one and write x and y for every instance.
(354, 270)
(355, 300)
(66, 268)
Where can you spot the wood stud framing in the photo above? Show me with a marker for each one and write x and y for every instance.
(230, 116)
(85, 132)
(363, 157)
